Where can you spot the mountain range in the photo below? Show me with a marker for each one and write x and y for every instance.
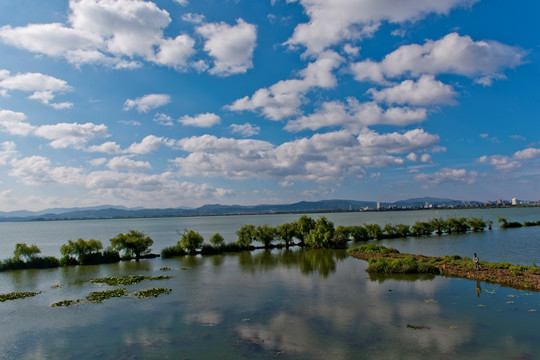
(110, 211)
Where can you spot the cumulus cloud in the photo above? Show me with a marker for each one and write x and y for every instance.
(109, 147)
(111, 33)
(283, 99)
(43, 87)
(231, 47)
(74, 135)
(120, 163)
(529, 153)
(354, 116)
(503, 162)
(322, 158)
(147, 102)
(453, 54)
(147, 145)
(334, 21)
(14, 123)
(193, 18)
(163, 119)
(8, 151)
(448, 175)
(423, 92)
(35, 170)
(205, 120)
(245, 130)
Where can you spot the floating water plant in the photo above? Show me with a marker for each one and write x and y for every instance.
(165, 268)
(100, 296)
(17, 295)
(417, 327)
(127, 280)
(57, 286)
(65, 303)
(155, 292)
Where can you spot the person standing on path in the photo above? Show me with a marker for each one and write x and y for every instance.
(476, 262)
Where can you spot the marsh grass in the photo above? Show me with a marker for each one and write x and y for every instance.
(100, 296)
(154, 292)
(18, 295)
(406, 265)
(127, 280)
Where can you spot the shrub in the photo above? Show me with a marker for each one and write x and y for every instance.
(374, 248)
(172, 251)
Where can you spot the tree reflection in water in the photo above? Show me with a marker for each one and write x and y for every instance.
(320, 261)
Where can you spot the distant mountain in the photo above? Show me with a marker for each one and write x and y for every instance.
(111, 212)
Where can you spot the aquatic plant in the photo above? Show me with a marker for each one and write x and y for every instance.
(417, 327)
(374, 248)
(173, 251)
(127, 280)
(68, 302)
(18, 295)
(406, 265)
(100, 296)
(155, 292)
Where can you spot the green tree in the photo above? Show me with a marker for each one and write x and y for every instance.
(303, 225)
(191, 241)
(81, 248)
(321, 235)
(358, 233)
(217, 240)
(374, 231)
(286, 232)
(265, 234)
(477, 224)
(134, 243)
(438, 224)
(24, 251)
(246, 234)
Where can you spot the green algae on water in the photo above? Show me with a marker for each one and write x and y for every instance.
(127, 280)
(154, 292)
(18, 295)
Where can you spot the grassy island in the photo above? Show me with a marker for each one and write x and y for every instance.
(391, 261)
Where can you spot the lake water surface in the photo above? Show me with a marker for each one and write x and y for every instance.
(289, 304)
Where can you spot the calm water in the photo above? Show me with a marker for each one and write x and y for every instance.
(290, 304)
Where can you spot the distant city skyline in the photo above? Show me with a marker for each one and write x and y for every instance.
(173, 103)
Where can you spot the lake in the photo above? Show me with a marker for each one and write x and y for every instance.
(289, 304)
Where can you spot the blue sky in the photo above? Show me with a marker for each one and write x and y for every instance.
(183, 103)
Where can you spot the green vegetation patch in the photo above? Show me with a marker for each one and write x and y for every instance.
(127, 280)
(155, 292)
(406, 265)
(100, 296)
(17, 295)
(65, 303)
(374, 248)
(417, 327)
(165, 268)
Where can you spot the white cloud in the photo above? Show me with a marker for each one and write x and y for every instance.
(425, 91)
(182, 2)
(35, 170)
(111, 33)
(334, 21)
(147, 145)
(193, 18)
(453, 54)
(147, 102)
(7, 152)
(529, 153)
(108, 147)
(71, 134)
(231, 46)
(120, 163)
(355, 115)
(201, 120)
(43, 87)
(163, 119)
(448, 175)
(14, 123)
(500, 162)
(283, 99)
(322, 158)
(245, 130)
